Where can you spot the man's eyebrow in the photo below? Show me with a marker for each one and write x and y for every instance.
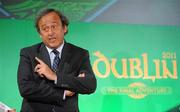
(42, 26)
(51, 22)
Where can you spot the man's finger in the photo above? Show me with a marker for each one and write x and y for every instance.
(69, 93)
(81, 75)
(37, 67)
(13, 110)
(40, 73)
(39, 60)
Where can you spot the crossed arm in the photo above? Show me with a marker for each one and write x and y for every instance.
(43, 70)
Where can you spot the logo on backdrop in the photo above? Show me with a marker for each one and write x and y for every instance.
(137, 68)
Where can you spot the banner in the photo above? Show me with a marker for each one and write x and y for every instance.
(136, 66)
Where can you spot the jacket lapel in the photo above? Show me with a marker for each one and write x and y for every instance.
(65, 56)
(43, 55)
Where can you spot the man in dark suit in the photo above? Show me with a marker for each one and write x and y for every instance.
(51, 74)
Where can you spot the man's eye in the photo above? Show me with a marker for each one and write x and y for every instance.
(54, 27)
(45, 28)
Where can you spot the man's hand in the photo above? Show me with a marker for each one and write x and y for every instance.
(69, 93)
(13, 110)
(43, 70)
(81, 75)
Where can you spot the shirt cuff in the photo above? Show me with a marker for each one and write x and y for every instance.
(64, 96)
(55, 81)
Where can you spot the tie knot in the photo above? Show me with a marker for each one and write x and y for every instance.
(56, 52)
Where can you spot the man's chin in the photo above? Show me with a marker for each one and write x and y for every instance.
(53, 46)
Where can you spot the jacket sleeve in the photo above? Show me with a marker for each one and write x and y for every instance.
(34, 88)
(82, 85)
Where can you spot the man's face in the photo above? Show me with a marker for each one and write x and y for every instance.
(51, 30)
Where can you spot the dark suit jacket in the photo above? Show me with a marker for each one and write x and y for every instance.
(42, 95)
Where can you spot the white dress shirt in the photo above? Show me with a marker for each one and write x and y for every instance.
(52, 56)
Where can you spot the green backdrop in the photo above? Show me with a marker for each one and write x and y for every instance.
(136, 66)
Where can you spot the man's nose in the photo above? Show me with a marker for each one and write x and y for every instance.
(50, 31)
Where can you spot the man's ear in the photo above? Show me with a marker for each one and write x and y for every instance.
(65, 29)
(40, 35)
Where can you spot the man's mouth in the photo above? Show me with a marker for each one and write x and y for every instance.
(52, 39)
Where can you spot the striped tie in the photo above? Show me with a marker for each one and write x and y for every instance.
(56, 60)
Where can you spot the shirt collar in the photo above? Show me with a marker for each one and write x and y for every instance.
(58, 49)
